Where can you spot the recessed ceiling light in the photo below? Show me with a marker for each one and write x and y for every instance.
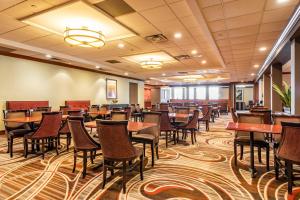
(97, 67)
(256, 66)
(204, 71)
(262, 48)
(194, 52)
(203, 61)
(282, 1)
(177, 35)
(163, 74)
(48, 56)
(126, 74)
(242, 81)
(252, 74)
(121, 45)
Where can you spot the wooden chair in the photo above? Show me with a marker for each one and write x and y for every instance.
(119, 115)
(117, 148)
(150, 135)
(243, 138)
(14, 130)
(47, 132)
(289, 150)
(191, 127)
(82, 142)
(206, 117)
(167, 127)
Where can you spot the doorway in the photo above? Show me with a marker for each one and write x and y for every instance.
(133, 93)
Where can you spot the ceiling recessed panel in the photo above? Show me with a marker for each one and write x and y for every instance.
(76, 15)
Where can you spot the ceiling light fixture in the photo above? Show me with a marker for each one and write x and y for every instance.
(126, 74)
(151, 64)
(256, 66)
(163, 74)
(48, 56)
(203, 61)
(97, 67)
(252, 74)
(189, 79)
(84, 37)
(121, 45)
(194, 52)
(282, 1)
(177, 35)
(262, 48)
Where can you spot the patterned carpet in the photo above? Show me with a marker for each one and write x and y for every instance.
(184, 171)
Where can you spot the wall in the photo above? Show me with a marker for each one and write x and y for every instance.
(29, 80)
(155, 96)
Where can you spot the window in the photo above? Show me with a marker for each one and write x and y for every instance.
(201, 92)
(178, 93)
(191, 93)
(165, 95)
(213, 92)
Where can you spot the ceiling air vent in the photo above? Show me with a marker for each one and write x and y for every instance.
(156, 38)
(182, 57)
(113, 61)
(115, 8)
(6, 49)
(182, 72)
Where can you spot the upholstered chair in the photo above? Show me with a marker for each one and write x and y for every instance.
(83, 142)
(14, 130)
(118, 115)
(167, 127)
(117, 148)
(47, 132)
(128, 111)
(206, 111)
(191, 127)
(149, 135)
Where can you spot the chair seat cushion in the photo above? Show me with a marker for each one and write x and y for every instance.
(144, 137)
(19, 132)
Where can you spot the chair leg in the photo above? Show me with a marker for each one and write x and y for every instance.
(124, 177)
(198, 125)
(43, 149)
(290, 177)
(192, 137)
(144, 148)
(8, 143)
(84, 163)
(92, 157)
(156, 149)
(242, 152)
(235, 153)
(56, 145)
(11, 143)
(142, 167)
(195, 136)
(268, 158)
(75, 158)
(152, 153)
(259, 155)
(25, 147)
(174, 137)
(167, 133)
(104, 175)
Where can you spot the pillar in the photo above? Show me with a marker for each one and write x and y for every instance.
(295, 77)
(267, 90)
(276, 77)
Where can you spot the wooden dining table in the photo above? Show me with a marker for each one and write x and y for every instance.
(180, 115)
(252, 129)
(100, 112)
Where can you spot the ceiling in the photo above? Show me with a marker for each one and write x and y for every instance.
(226, 36)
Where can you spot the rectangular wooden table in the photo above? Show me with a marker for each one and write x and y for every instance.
(179, 115)
(253, 128)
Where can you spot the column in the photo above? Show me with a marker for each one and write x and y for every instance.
(207, 94)
(295, 77)
(276, 77)
(256, 92)
(267, 90)
(231, 100)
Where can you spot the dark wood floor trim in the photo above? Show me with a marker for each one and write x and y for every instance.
(63, 65)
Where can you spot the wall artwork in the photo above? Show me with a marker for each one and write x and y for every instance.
(239, 95)
(111, 89)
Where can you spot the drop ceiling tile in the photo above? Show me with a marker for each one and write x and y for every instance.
(213, 13)
(242, 7)
(278, 14)
(144, 5)
(273, 26)
(250, 30)
(271, 4)
(169, 27)
(189, 22)
(58, 2)
(207, 3)
(215, 26)
(222, 43)
(181, 9)
(220, 35)
(6, 4)
(268, 36)
(243, 21)
(47, 41)
(245, 39)
(162, 13)
(9, 24)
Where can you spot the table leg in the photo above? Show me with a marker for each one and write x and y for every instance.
(252, 167)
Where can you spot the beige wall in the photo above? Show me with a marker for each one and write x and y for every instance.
(28, 80)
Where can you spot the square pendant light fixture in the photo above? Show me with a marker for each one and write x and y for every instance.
(80, 23)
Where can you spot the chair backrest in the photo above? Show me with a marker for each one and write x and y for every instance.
(165, 123)
(277, 119)
(103, 108)
(233, 115)
(251, 118)
(9, 114)
(133, 109)
(82, 139)
(116, 108)
(75, 113)
(138, 108)
(118, 115)
(128, 112)
(114, 140)
(44, 108)
(193, 122)
(153, 117)
(94, 109)
(290, 140)
(206, 111)
(49, 126)
(182, 110)
(64, 109)
(266, 113)
(163, 106)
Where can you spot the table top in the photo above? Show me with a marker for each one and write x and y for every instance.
(29, 119)
(100, 112)
(261, 128)
(179, 115)
(132, 126)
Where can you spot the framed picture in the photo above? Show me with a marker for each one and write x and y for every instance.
(239, 95)
(111, 89)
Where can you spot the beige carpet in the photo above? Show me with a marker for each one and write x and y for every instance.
(184, 171)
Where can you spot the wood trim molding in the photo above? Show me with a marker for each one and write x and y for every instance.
(9, 54)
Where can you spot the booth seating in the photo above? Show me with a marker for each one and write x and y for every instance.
(78, 104)
(25, 105)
